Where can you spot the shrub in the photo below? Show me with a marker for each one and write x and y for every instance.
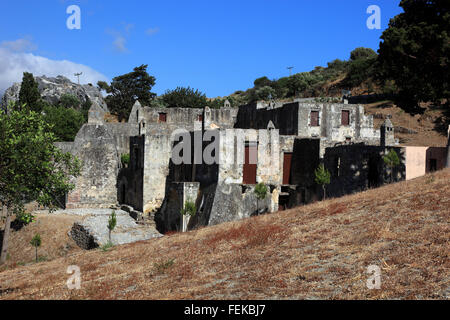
(125, 159)
(189, 209)
(112, 222)
(36, 242)
(65, 122)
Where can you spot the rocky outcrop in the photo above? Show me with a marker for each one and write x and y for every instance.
(51, 90)
(92, 231)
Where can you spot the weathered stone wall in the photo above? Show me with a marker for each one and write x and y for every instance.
(157, 154)
(295, 119)
(95, 146)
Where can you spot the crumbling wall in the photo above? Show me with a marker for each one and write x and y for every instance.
(95, 146)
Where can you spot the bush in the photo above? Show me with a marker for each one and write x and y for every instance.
(189, 209)
(65, 122)
(184, 98)
(125, 159)
(69, 101)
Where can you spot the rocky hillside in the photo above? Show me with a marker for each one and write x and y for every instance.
(51, 90)
(319, 251)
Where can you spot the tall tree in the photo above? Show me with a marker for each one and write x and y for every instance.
(415, 52)
(184, 98)
(32, 168)
(29, 93)
(126, 89)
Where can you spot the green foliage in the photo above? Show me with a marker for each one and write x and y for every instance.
(112, 221)
(184, 98)
(362, 53)
(64, 122)
(25, 217)
(32, 168)
(262, 82)
(126, 89)
(162, 267)
(29, 93)
(360, 70)
(261, 191)
(415, 52)
(107, 246)
(69, 101)
(36, 241)
(125, 159)
(189, 209)
(322, 177)
(391, 159)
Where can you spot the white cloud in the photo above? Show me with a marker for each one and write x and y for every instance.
(13, 64)
(120, 37)
(19, 45)
(152, 31)
(119, 44)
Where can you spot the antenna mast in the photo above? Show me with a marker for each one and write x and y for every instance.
(78, 76)
(290, 70)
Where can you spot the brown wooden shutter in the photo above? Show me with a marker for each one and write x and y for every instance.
(251, 153)
(163, 117)
(314, 118)
(287, 168)
(345, 118)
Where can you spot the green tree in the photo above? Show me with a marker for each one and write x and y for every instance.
(392, 161)
(29, 93)
(112, 222)
(322, 178)
(262, 82)
(69, 101)
(126, 89)
(32, 168)
(415, 52)
(261, 193)
(36, 242)
(362, 53)
(185, 98)
(64, 122)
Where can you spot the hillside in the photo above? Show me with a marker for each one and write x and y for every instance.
(316, 251)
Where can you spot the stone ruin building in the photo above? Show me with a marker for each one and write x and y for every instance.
(277, 144)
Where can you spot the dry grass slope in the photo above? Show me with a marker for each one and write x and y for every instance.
(317, 251)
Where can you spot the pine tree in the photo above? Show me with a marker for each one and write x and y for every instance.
(322, 177)
(29, 93)
(36, 242)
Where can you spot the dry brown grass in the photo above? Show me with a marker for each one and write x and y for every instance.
(55, 241)
(423, 124)
(316, 251)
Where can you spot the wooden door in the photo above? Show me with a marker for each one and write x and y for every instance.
(287, 168)
(250, 164)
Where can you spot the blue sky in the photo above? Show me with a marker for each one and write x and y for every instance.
(215, 46)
